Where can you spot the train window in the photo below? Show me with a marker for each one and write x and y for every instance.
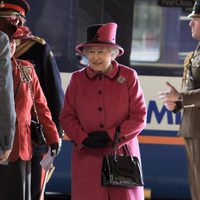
(146, 31)
(157, 36)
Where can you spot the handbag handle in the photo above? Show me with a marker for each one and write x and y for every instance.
(114, 148)
(116, 138)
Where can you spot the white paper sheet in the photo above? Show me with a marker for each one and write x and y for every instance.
(47, 161)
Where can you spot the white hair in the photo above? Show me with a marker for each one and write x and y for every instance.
(115, 51)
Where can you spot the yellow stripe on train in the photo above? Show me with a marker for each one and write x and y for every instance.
(155, 140)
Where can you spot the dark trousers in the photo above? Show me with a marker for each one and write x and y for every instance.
(15, 180)
(193, 156)
(36, 172)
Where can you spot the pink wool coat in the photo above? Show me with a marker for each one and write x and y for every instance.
(95, 102)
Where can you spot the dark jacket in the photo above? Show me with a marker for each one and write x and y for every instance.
(38, 52)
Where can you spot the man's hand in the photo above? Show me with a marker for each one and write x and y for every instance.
(172, 95)
(170, 105)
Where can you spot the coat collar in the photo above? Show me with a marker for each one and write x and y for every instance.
(91, 74)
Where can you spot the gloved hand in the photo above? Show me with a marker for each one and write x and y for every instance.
(97, 139)
(55, 148)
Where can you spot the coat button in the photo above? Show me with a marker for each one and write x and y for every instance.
(101, 125)
(100, 108)
(100, 92)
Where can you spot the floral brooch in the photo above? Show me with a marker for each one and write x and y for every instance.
(121, 79)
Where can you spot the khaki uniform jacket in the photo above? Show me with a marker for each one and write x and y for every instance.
(190, 125)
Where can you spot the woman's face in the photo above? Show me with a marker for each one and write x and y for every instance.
(195, 28)
(99, 58)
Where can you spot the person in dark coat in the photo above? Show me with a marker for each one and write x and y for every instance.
(38, 52)
(188, 100)
(99, 98)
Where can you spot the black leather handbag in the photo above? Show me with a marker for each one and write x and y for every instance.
(121, 170)
(37, 134)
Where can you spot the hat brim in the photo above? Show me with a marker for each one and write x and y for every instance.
(193, 15)
(22, 7)
(79, 48)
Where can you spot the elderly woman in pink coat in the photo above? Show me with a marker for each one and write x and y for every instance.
(99, 98)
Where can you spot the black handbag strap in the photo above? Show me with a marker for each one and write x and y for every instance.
(116, 140)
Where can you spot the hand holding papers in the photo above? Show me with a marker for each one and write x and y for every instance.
(47, 164)
(47, 161)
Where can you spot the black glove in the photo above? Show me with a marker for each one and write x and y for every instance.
(97, 139)
(55, 148)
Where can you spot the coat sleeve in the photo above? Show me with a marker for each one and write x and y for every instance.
(191, 98)
(7, 109)
(68, 118)
(50, 80)
(136, 120)
(44, 114)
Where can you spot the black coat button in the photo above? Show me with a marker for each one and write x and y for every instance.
(100, 92)
(101, 125)
(100, 108)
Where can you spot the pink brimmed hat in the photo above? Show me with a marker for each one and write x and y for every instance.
(101, 35)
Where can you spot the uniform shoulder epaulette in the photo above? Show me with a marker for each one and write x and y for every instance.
(39, 40)
(25, 46)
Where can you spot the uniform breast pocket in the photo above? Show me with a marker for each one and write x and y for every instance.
(196, 75)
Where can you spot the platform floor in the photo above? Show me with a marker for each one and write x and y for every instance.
(67, 197)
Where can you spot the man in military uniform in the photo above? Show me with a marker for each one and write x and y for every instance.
(38, 52)
(189, 101)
